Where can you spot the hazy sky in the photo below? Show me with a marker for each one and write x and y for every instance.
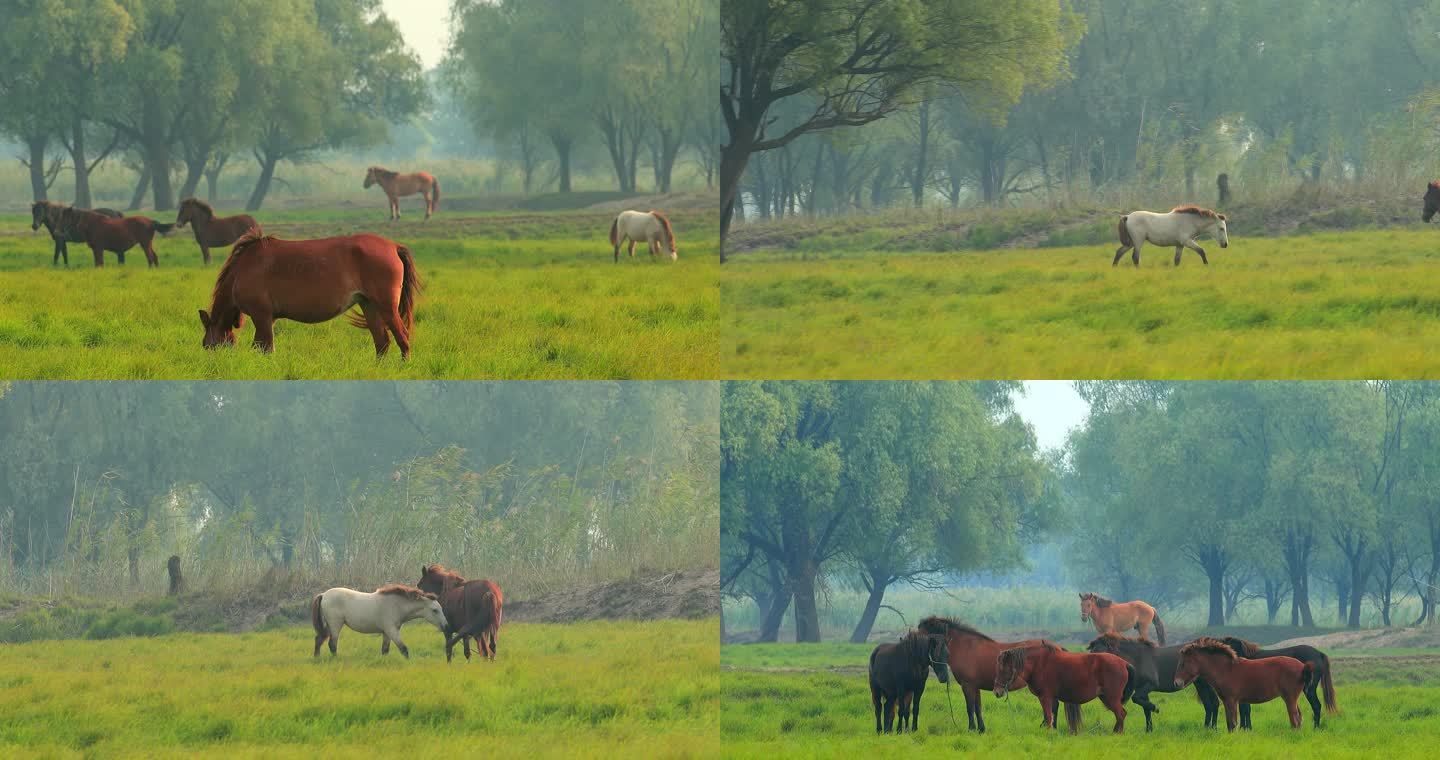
(1052, 407)
(425, 24)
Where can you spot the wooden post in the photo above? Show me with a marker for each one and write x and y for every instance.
(177, 581)
(1223, 183)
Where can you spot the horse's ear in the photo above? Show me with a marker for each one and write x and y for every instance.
(204, 318)
(1222, 217)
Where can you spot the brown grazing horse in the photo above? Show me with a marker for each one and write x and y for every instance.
(314, 281)
(1319, 667)
(973, 656)
(1055, 675)
(1238, 680)
(897, 676)
(50, 214)
(211, 230)
(1112, 617)
(397, 186)
(103, 233)
(472, 609)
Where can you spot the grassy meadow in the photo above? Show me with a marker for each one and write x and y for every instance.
(509, 294)
(814, 701)
(1339, 305)
(600, 688)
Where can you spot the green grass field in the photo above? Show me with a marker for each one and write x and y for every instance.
(1336, 305)
(814, 701)
(508, 295)
(594, 689)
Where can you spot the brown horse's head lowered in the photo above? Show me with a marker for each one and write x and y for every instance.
(224, 318)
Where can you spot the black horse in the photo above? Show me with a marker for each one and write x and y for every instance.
(1155, 671)
(898, 672)
(1319, 669)
(53, 217)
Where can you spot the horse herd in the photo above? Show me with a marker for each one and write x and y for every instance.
(1114, 669)
(460, 609)
(308, 281)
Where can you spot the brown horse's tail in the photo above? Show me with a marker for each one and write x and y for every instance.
(1125, 239)
(1129, 683)
(1072, 717)
(1159, 629)
(435, 187)
(615, 231)
(492, 600)
(163, 228)
(316, 619)
(409, 287)
(1328, 686)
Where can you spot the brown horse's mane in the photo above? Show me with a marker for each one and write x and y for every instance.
(1115, 638)
(445, 572)
(1250, 648)
(227, 270)
(943, 625)
(1190, 208)
(381, 171)
(665, 222)
(199, 204)
(1099, 601)
(1208, 644)
(409, 592)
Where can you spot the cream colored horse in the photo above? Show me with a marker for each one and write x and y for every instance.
(397, 186)
(382, 612)
(1178, 228)
(637, 226)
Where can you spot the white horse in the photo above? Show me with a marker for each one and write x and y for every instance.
(1178, 228)
(382, 612)
(652, 228)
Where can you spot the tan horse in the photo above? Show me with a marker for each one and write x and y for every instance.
(1113, 617)
(397, 186)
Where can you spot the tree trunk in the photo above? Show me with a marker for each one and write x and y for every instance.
(1217, 598)
(774, 616)
(212, 176)
(194, 171)
(807, 618)
(157, 157)
(262, 185)
(36, 145)
(1342, 598)
(867, 618)
(562, 152)
(733, 158)
(922, 158)
(177, 580)
(1297, 563)
(82, 164)
(142, 186)
(1357, 594)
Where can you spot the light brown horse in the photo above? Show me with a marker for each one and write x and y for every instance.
(973, 656)
(1056, 676)
(473, 609)
(103, 233)
(1238, 680)
(1113, 617)
(211, 230)
(314, 281)
(397, 186)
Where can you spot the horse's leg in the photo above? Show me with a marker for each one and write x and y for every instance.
(979, 712)
(151, 258)
(1293, 706)
(1314, 698)
(1244, 716)
(1116, 704)
(494, 645)
(384, 644)
(402, 336)
(429, 209)
(334, 640)
(319, 639)
(376, 323)
(1192, 245)
(875, 702)
(394, 635)
(1142, 698)
(1231, 713)
(972, 703)
(59, 249)
(618, 240)
(205, 254)
(1119, 252)
(1048, 705)
(99, 255)
(1135, 256)
(1141, 626)
(889, 712)
(632, 248)
(264, 330)
(1178, 250)
(465, 643)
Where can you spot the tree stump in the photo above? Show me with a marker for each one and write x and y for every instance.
(1223, 183)
(177, 581)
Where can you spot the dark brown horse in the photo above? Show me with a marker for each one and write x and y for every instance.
(51, 215)
(314, 281)
(972, 660)
(1238, 680)
(397, 186)
(1055, 675)
(1116, 617)
(1319, 670)
(1432, 200)
(472, 609)
(1155, 671)
(210, 230)
(103, 233)
(897, 676)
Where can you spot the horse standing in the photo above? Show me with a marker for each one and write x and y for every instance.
(1055, 675)
(1238, 680)
(1179, 228)
(51, 215)
(898, 672)
(211, 230)
(382, 612)
(1319, 669)
(1110, 617)
(397, 186)
(972, 660)
(1155, 671)
(103, 233)
(314, 281)
(473, 608)
(653, 229)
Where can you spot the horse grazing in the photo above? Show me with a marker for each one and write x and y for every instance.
(1319, 669)
(1110, 617)
(1179, 228)
(1055, 675)
(653, 229)
(972, 660)
(1432, 201)
(103, 233)
(382, 612)
(314, 281)
(1239, 680)
(898, 672)
(51, 214)
(1154, 671)
(211, 230)
(397, 186)
(473, 608)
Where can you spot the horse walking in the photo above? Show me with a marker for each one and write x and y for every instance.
(897, 676)
(1055, 675)
(382, 612)
(653, 229)
(210, 230)
(473, 608)
(103, 233)
(1112, 617)
(1320, 674)
(1155, 671)
(1179, 228)
(973, 657)
(314, 281)
(397, 186)
(51, 215)
(1238, 680)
